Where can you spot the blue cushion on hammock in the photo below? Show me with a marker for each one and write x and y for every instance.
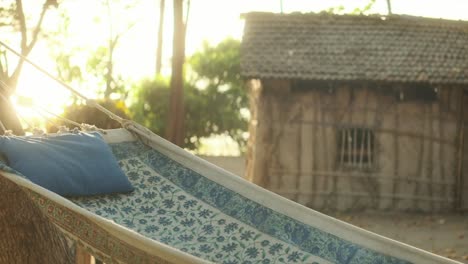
(70, 164)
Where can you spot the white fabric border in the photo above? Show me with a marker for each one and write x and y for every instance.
(131, 237)
(253, 192)
(287, 207)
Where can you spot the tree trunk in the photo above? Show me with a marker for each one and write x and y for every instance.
(8, 117)
(26, 234)
(160, 38)
(175, 129)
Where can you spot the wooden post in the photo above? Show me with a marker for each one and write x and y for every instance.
(315, 140)
(441, 146)
(299, 156)
(355, 132)
(326, 164)
(396, 164)
(370, 158)
(430, 159)
(343, 142)
(81, 256)
(349, 145)
(420, 170)
(461, 133)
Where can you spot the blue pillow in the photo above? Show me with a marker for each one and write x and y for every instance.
(70, 164)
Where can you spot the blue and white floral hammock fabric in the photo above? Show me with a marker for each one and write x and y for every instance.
(186, 210)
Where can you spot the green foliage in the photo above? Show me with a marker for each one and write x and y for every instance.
(67, 71)
(356, 11)
(100, 64)
(82, 113)
(221, 89)
(151, 102)
(365, 9)
(8, 14)
(213, 97)
(93, 66)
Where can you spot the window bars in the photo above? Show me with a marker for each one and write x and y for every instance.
(355, 148)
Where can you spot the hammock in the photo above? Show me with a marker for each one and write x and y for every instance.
(186, 210)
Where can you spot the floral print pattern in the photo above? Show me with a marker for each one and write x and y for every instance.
(162, 211)
(181, 208)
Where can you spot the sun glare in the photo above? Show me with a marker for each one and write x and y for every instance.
(36, 95)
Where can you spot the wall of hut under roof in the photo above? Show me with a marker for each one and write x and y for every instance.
(293, 148)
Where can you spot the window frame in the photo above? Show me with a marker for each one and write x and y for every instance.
(356, 147)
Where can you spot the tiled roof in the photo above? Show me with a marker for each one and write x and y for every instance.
(347, 47)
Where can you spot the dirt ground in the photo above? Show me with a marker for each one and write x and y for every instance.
(445, 235)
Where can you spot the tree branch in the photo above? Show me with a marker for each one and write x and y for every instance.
(37, 29)
(186, 18)
(25, 47)
(22, 21)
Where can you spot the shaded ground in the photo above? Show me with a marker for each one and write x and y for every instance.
(445, 235)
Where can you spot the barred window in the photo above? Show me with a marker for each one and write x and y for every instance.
(355, 147)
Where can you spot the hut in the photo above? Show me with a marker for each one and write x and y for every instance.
(358, 112)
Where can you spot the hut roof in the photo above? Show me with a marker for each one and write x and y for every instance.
(355, 47)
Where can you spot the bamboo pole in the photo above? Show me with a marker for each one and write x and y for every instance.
(370, 158)
(430, 164)
(365, 194)
(441, 147)
(354, 156)
(420, 170)
(326, 158)
(396, 161)
(349, 141)
(461, 134)
(377, 176)
(336, 117)
(378, 110)
(377, 130)
(361, 148)
(343, 142)
(299, 155)
(276, 144)
(315, 149)
(325, 147)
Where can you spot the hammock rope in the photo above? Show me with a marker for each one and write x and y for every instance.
(125, 123)
(64, 119)
(89, 102)
(21, 117)
(2, 127)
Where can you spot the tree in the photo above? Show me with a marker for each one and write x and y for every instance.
(27, 236)
(213, 97)
(218, 69)
(13, 16)
(175, 128)
(389, 7)
(98, 68)
(101, 63)
(63, 53)
(159, 48)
